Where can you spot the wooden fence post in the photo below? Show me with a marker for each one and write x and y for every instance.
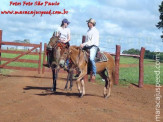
(141, 67)
(117, 59)
(40, 53)
(83, 39)
(44, 58)
(0, 46)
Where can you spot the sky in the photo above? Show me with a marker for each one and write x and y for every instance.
(129, 23)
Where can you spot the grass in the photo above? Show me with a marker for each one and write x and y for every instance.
(130, 74)
(19, 64)
(129, 60)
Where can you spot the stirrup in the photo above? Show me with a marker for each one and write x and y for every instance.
(54, 63)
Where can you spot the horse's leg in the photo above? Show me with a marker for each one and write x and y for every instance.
(54, 80)
(71, 79)
(102, 74)
(82, 74)
(83, 88)
(78, 87)
(110, 78)
(68, 77)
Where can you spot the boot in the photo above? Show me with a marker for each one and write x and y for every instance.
(48, 61)
(46, 65)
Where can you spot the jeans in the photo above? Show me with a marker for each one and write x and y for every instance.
(67, 63)
(93, 52)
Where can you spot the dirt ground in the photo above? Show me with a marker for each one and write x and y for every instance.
(26, 97)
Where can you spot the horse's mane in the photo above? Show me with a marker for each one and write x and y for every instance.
(77, 50)
(75, 47)
(53, 40)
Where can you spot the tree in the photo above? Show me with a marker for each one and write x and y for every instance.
(160, 23)
(131, 51)
(27, 41)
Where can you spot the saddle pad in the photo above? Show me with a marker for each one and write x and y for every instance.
(101, 57)
(61, 45)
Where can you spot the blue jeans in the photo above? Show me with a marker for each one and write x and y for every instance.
(67, 62)
(93, 52)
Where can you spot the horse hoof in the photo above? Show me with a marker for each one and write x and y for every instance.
(81, 96)
(70, 89)
(106, 97)
(53, 90)
(65, 89)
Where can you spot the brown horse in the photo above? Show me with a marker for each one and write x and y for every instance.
(77, 56)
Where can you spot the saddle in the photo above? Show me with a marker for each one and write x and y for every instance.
(100, 56)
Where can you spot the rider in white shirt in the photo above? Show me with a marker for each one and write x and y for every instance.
(64, 36)
(92, 43)
(63, 32)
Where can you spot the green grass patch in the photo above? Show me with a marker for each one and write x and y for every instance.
(129, 60)
(130, 74)
(5, 71)
(20, 64)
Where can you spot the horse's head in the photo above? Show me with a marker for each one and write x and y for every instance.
(53, 41)
(72, 53)
(68, 53)
(63, 52)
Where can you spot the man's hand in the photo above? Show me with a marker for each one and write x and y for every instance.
(82, 45)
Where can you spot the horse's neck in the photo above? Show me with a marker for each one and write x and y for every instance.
(77, 56)
(74, 56)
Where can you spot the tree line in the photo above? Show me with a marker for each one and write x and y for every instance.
(148, 54)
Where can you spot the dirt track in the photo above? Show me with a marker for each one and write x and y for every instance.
(25, 97)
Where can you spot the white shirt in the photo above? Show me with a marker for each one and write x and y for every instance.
(63, 33)
(92, 37)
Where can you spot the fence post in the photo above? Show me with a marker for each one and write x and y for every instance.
(0, 46)
(141, 67)
(44, 58)
(83, 39)
(40, 53)
(117, 59)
